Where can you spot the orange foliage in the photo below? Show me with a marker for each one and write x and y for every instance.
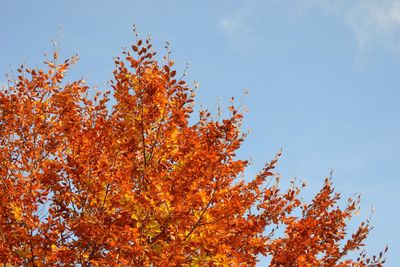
(131, 182)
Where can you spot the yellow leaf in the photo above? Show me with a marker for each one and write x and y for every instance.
(174, 133)
(133, 216)
(16, 212)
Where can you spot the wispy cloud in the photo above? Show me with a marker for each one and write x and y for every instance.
(238, 27)
(375, 24)
(238, 32)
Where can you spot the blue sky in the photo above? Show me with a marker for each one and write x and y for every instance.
(322, 78)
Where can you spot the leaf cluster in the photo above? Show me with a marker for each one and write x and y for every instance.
(89, 181)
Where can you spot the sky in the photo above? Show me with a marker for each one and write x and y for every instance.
(322, 78)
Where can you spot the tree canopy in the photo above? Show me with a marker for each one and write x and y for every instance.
(89, 179)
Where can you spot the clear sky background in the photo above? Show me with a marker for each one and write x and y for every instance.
(323, 78)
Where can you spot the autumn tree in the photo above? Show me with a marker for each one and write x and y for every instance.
(128, 180)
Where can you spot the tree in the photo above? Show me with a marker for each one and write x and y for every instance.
(89, 181)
